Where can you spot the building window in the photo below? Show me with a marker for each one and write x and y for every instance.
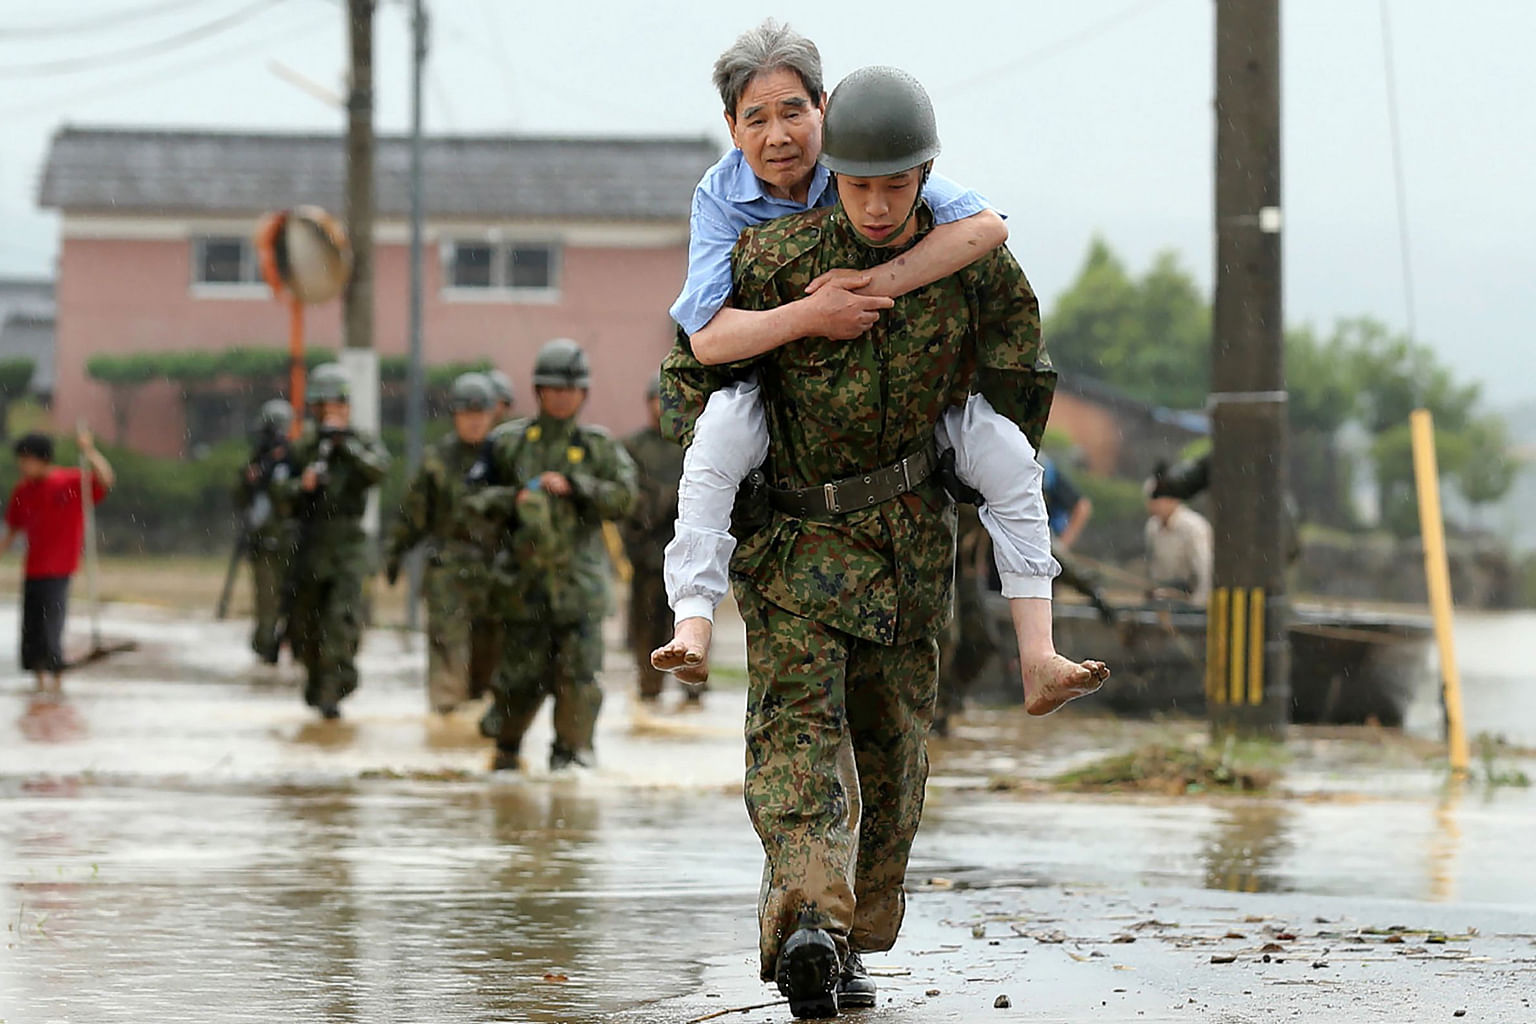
(518, 269)
(224, 260)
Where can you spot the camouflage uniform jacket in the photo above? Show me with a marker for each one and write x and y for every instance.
(330, 518)
(433, 508)
(258, 500)
(649, 526)
(840, 408)
(554, 569)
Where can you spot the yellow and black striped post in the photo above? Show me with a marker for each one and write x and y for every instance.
(1244, 646)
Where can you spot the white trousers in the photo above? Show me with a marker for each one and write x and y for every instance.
(731, 439)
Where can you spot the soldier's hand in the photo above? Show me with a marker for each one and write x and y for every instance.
(844, 315)
(555, 483)
(841, 277)
(311, 478)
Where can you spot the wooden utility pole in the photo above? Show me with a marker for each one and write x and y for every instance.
(358, 310)
(359, 358)
(1248, 653)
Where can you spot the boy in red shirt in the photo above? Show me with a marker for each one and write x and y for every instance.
(46, 507)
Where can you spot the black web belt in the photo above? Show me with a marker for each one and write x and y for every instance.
(855, 493)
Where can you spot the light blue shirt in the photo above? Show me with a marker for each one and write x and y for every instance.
(730, 197)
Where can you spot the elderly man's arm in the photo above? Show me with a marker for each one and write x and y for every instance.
(831, 312)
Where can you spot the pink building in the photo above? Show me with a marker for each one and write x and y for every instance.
(527, 239)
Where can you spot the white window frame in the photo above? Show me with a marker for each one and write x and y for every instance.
(500, 290)
(255, 288)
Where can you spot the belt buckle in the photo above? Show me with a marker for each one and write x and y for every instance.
(829, 495)
(906, 474)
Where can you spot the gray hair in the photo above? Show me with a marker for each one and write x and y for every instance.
(768, 47)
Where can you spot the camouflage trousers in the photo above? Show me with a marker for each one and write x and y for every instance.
(540, 660)
(325, 626)
(837, 759)
(463, 631)
(269, 574)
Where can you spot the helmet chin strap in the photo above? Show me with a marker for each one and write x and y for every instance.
(890, 239)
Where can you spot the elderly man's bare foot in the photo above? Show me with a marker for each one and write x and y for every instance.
(687, 654)
(1050, 683)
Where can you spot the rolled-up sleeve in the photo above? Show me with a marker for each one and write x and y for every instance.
(951, 201)
(711, 236)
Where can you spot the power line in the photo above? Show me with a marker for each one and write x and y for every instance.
(1397, 169)
(97, 23)
(50, 107)
(96, 62)
(1060, 46)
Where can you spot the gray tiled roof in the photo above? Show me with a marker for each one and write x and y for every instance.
(215, 173)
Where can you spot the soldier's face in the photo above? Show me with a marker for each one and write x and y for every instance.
(472, 424)
(777, 127)
(561, 403)
(335, 414)
(877, 207)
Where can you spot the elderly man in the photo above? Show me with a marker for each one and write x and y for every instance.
(770, 82)
(844, 587)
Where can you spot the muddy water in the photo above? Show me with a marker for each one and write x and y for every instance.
(180, 841)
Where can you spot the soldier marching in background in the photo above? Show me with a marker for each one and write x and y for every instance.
(336, 466)
(554, 480)
(267, 536)
(647, 532)
(502, 384)
(463, 634)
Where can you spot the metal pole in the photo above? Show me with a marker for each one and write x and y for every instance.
(415, 408)
(1248, 663)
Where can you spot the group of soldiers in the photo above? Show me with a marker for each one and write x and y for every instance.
(510, 516)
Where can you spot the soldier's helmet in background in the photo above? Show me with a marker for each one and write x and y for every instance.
(472, 392)
(503, 385)
(561, 364)
(328, 383)
(275, 417)
(879, 121)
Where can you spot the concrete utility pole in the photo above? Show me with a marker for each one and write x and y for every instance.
(1248, 653)
(359, 357)
(416, 402)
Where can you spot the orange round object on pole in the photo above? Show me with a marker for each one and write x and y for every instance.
(304, 257)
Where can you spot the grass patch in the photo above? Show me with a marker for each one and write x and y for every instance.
(1164, 768)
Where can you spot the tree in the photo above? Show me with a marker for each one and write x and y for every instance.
(1150, 337)
(124, 376)
(15, 379)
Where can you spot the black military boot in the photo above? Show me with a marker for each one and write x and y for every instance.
(855, 988)
(507, 758)
(561, 756)
(808, 972)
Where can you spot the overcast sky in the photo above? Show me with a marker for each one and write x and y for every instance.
(1074, 118)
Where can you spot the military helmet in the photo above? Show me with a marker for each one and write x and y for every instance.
(879, 121)
(561, 364)
(275, 417)
(328, 382)
(501, 384)
(472, 392)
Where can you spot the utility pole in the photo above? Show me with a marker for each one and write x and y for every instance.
(1248, 652)
(416, 404)
(359, 357)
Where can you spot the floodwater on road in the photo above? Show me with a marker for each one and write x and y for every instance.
(180, 839)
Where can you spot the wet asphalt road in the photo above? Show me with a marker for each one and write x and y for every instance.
(181, 841)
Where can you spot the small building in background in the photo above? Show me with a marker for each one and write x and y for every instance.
(1117, 435)
(27, 327)
(527, 239)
